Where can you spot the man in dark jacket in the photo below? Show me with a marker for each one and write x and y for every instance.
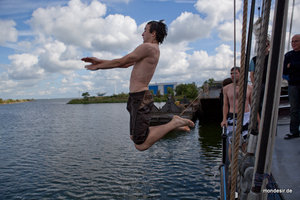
(292, 69)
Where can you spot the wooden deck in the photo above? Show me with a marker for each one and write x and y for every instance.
(286, 162)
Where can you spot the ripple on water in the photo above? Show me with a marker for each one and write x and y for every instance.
(51, 150)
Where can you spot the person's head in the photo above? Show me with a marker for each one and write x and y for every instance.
(155, 31)
(296, 42)
(235, 71)
(226, 81)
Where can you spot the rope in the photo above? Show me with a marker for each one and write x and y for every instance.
(259, 67)
(262, 7)
(234, 165)
(248, 50)
(234, 90)
(291, 25)
(234, 77)
(189, 105)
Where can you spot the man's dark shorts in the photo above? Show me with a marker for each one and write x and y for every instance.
(139, 106)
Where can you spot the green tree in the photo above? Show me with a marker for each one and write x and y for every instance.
(85, 95)
(170, 91)
(158, 93)
(180, 89)
(210, 82)
(188, 90)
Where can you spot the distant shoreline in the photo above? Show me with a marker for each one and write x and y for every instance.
(13, 101)
(123, 98)
(91, 100)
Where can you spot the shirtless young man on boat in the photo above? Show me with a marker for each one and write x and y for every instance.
(144, 60)
(230, 101)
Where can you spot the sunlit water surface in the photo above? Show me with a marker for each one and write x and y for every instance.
(52, 150)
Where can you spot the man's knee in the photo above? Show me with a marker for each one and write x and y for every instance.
(140, 146)
(139, 136)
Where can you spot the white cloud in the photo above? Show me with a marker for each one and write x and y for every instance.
(188, 27)
(218, 11)
(22, 7)
(204, 66)
(24, 66)
(117, 33)
(222, 59)
(6, 84)
(172, 63)
(85, 26)
(296, 17)
(57, 57)
(8, 32)
(176, 64)
(220, 17)
(48, 61)
(68, 23)
(89, 85)
(226, 31)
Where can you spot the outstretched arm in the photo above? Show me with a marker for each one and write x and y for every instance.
(106, 64)
(139, 53)
(92, 60)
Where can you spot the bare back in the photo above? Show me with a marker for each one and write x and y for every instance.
(144, 68)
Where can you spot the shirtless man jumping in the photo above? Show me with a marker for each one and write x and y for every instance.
(144, 60)
(229, 100)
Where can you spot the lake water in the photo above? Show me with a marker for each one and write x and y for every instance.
(52, 150)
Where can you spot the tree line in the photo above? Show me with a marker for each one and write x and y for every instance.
(189, 91)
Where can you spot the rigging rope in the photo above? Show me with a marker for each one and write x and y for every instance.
(234, 77)
(259, 67)
(234, 164)
(189, 105)
(291, 25)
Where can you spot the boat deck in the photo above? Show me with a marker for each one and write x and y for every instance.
(286, 162)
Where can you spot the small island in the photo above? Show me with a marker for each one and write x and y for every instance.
(11, 101)
(117, 98)
(87, 99)
(188, 91)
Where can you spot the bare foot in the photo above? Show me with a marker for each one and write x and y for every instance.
(183, 128)
(181, 122)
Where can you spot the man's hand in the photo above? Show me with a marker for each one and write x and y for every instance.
(92, 60)
(91, 67)
(224, 123)
(95, 61)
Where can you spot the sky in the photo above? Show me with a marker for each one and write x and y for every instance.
(42, 42)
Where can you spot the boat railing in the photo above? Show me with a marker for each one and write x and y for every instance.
(224, 166)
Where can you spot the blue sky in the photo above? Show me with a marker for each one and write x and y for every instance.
(42, 41)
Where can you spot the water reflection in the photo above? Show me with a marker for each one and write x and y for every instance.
(51, 150)
(210, 138)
